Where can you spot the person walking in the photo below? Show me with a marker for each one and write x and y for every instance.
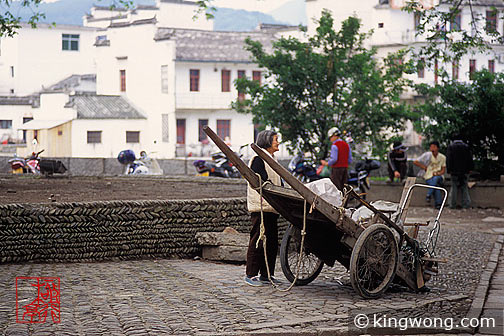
(255, 264)
(397, 162)
(433, 167)
(459, 162)
(340, 158)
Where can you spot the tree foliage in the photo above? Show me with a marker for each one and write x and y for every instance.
(473, 110)
(445, 39)
(10, 22)
(330, 80)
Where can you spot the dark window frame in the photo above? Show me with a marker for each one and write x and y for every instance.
(132, 136)
(70, 42)
(122, 80)
(201, 133)
(94, 137)
(225, 80)
(241, 74)
(194, 80)
(224, 128)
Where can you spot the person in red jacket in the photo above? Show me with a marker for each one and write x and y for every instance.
(341, 157)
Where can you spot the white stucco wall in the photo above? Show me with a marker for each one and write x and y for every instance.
(113, 137)
(180, 15)
(38, 58)
(143, 79)
(16, 113)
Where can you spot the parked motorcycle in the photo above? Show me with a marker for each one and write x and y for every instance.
(220, 166)
(302, 169)
(31, 165)
(144, 165)
(35, 165)
(359, 177)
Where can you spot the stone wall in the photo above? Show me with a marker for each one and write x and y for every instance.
(93, 231)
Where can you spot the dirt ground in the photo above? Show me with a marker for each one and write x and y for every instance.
(34, 189)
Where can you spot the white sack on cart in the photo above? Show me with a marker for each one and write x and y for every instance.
(327, 191)
(363, 214)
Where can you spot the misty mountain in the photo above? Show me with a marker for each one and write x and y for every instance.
(292, 12)
(72, 11)
(227, 19)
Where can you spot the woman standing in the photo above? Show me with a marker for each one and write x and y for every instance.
(267, 140)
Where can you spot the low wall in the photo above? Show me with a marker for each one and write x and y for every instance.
(120, 229)
(110, 166)
(483, 194)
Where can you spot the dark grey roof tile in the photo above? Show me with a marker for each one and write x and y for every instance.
(103, 107)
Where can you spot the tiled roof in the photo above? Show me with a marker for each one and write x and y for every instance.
(182, 2)
(212, 46)
(136, 22)
(77, 83)
(496, 3)
(34, 100)
(103, 107)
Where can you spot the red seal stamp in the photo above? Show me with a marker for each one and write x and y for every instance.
(37, 298)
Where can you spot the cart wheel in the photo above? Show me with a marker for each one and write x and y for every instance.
(374, 261)
(311, 265)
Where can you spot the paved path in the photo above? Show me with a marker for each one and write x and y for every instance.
(194, 297)
(494, 303)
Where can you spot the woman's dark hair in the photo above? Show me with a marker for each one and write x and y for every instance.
(434, 143)
(265, 138)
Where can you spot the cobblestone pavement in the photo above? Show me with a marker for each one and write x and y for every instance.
(194, 297)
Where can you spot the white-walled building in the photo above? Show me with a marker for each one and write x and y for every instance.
(83, 125)
(183, 80)
(42, 56)
(394, 29)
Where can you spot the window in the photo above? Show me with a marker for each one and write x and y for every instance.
(201, 134)
(416, 21)
(456, 23)
(194, 77)
(256, 75)
(241, 95)
(472, 68)
(12, 71)
(226, 80)
(421, 68)
(491, 66)
(6, 124)
(223, 128)
(164, 78)
(491, 21)
(93, 137)
(70, 42)
(436, 70)
(381, 24)
(35, 135)
(165, 124)
(132, 137)
(122, 79)
(25, 120)
(181, 131)
(455, 70)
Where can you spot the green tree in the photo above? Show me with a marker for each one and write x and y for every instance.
(446, 40)
(474, 110)
(330, 80)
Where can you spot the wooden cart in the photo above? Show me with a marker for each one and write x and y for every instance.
(376, 255)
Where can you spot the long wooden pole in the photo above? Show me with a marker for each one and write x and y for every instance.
(246, 172)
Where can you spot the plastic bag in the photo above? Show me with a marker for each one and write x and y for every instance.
(327, 191)
(323, 171)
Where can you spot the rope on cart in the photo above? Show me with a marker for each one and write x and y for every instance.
(262, 236)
